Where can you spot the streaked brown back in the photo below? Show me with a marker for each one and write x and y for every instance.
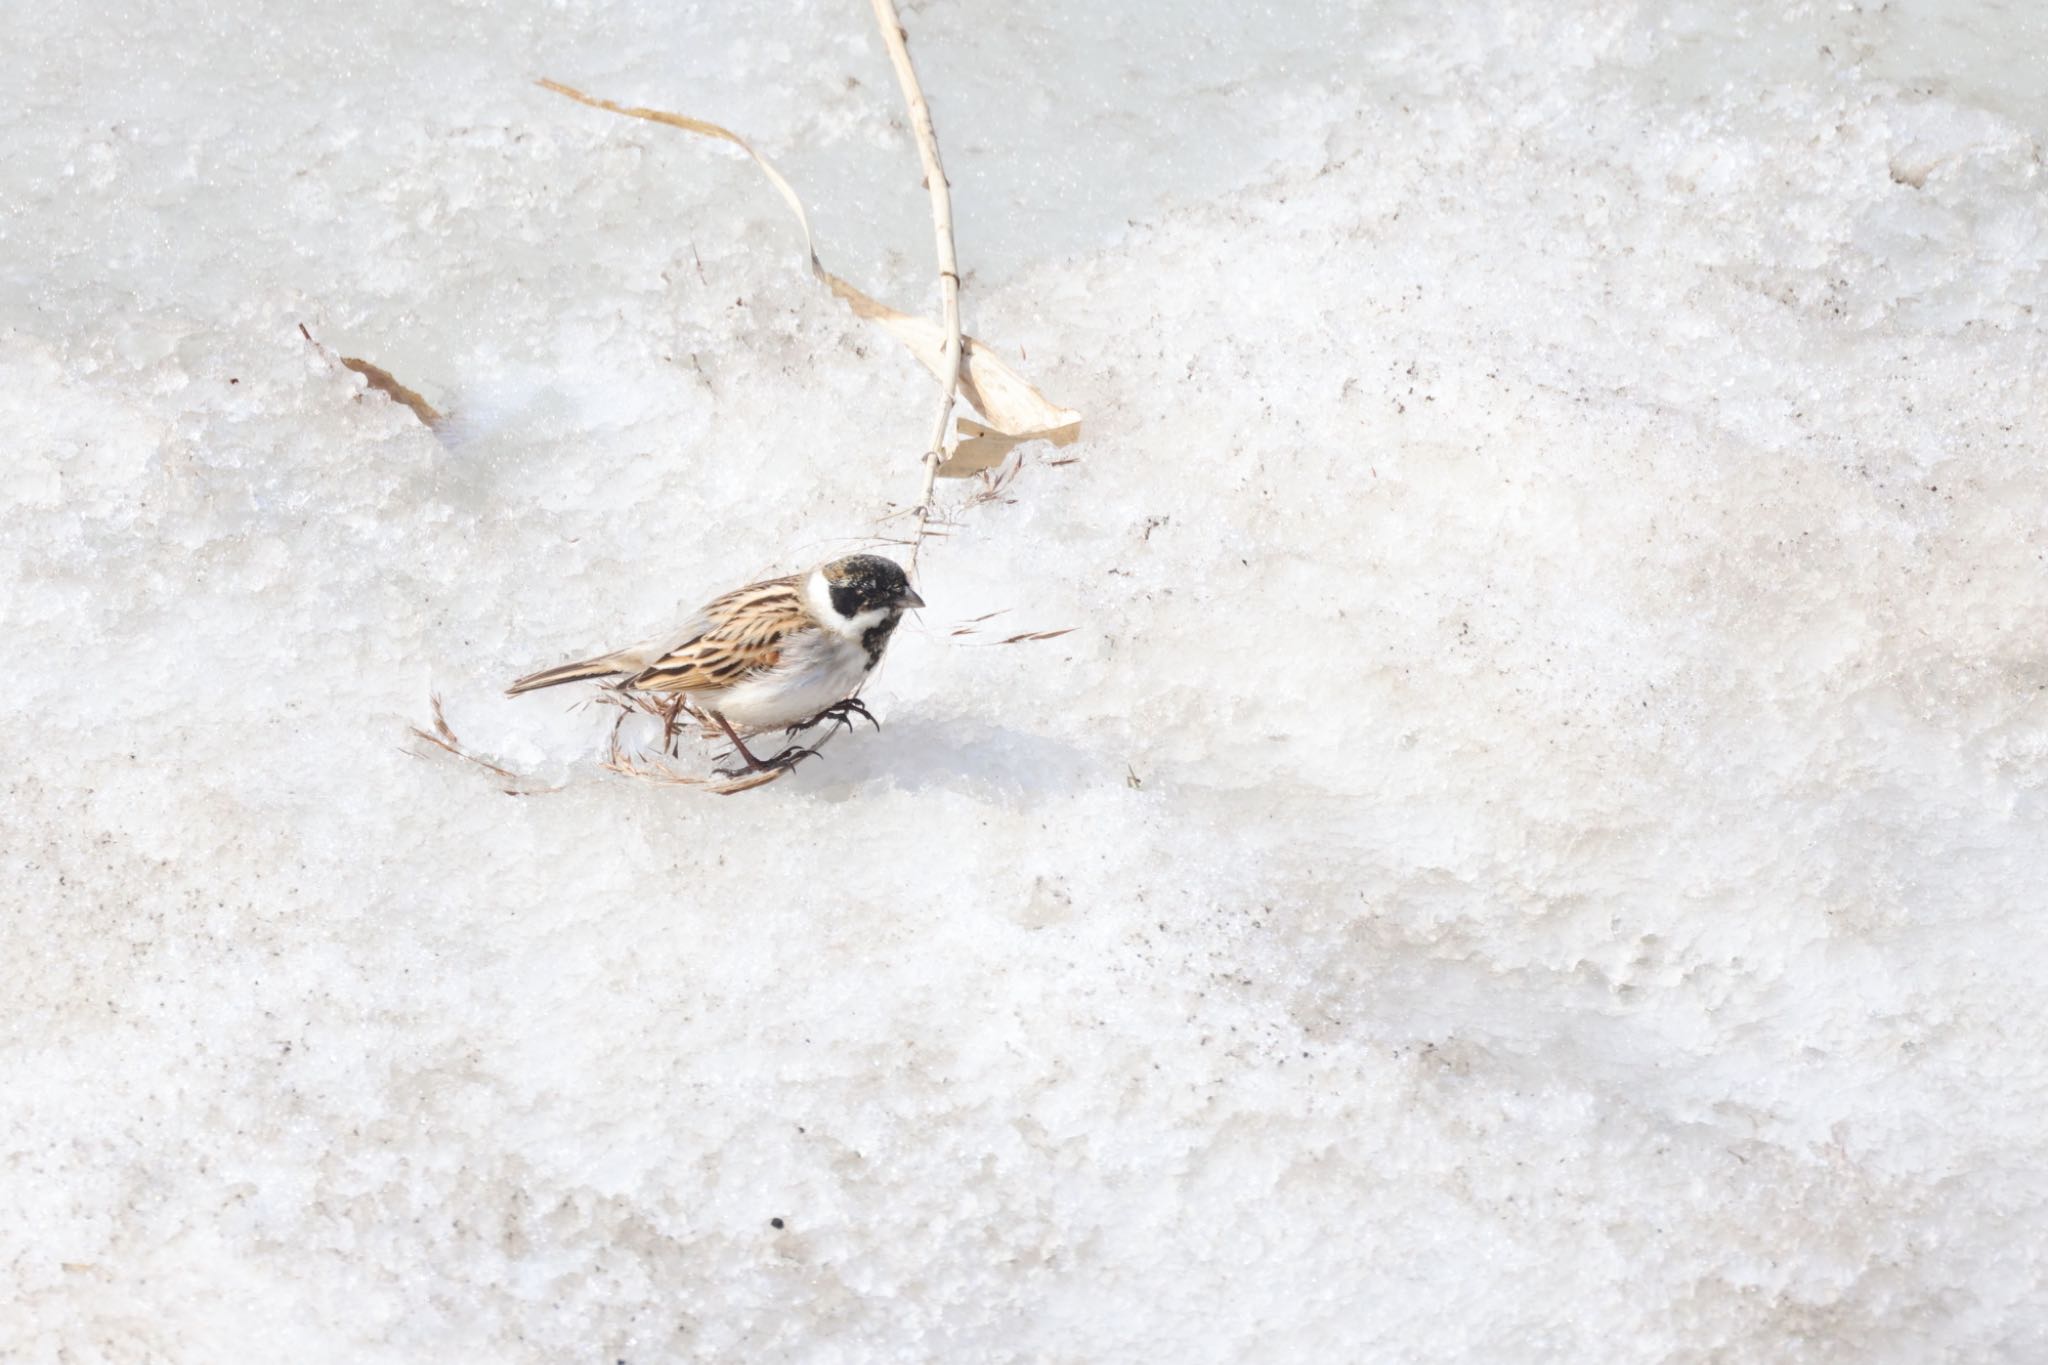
(743, 638)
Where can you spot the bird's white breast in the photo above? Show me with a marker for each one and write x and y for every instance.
(817, 668)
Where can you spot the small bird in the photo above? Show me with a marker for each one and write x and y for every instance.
(781, 652)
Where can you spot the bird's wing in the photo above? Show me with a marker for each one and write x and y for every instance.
(734, 638)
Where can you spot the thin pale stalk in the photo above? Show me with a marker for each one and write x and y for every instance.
(896, 41)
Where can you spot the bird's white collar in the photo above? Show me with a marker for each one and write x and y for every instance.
(818, 594)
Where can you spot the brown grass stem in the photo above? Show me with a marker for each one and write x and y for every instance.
(897, 41)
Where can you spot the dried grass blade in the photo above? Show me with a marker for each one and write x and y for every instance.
(703, 129)
(971, 626)
(665, 776)
(443, 737)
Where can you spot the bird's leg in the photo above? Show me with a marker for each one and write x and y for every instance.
(788, 758)
(753, 764)
(839, 712)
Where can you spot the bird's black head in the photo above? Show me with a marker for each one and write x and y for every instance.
(865, 583)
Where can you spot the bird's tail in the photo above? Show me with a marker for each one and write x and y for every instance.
(604, 666)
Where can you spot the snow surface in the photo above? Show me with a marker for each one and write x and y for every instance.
(1534, 852)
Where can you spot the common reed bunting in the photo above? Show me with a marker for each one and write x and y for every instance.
(787, 652)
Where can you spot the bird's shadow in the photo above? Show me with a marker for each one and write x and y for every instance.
(921, 754)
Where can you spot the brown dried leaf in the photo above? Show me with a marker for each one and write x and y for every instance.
(1038, 635)
(982, 448)
(380, 379)
(978, 455)
(991, 387)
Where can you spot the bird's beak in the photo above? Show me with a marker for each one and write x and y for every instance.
(909, 598)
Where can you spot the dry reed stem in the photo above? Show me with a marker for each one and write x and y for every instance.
(898, 42)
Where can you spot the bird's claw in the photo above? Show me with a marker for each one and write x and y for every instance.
(839, 713)
(782, 762)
